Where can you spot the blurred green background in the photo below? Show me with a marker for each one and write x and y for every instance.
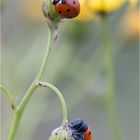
(75, 67)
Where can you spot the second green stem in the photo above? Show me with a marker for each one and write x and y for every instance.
(109, 71)
(63, 104)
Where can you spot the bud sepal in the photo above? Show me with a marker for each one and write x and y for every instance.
(50, 14)
(61, 133)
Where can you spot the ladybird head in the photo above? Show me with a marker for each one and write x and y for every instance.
(55, 1)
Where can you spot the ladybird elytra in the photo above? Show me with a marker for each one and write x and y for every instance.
(67, 8)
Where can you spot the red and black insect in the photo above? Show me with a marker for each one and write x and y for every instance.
(67, 8)
(80, 130)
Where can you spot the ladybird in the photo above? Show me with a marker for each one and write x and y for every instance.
(80, 130)
(67, 8)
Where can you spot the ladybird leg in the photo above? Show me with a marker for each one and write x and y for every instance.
(64, 1)
(55, 1)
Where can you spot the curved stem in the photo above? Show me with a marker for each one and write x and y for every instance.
(33, 87)
(9, 95)
(59, 94)
(109, 71)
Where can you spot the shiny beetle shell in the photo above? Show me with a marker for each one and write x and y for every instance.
(67, 8)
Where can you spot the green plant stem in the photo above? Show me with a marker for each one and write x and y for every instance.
(109, 71)
(32, 88)
(63, 104)
(9, 95)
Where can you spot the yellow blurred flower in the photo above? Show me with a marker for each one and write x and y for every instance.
(105, 5)
(91, 7)
(131, 23)
(85, 12)
(132, 2)
(108, 5)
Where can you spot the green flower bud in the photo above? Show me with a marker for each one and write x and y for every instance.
(61, 133)
(52, 18)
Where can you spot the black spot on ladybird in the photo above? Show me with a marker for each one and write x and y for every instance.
(68, 10)
(59, 12)
(74, 2)
(89, 133)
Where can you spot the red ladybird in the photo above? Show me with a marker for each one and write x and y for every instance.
(80, 130)
(67, 8)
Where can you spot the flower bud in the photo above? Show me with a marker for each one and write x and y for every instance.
(50, 13)
(61, 133)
